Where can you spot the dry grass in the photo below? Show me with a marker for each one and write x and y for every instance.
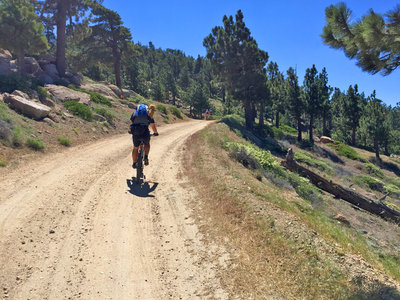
(265, 262)
(274, 240)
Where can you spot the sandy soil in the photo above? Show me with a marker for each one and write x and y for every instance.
(73, 225)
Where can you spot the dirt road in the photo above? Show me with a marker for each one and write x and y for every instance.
(73, 225)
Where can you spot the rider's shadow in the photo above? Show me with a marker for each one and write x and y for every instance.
(142, 190)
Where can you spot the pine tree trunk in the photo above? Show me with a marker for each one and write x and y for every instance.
(299, 138)
(311, 129)
(223, 95)
(61, 21)
(324, 132)
(376, 147)
(261, 115)
(353, 136)
(21, 62)
(117, 66)
(277, 119)
(248, 115)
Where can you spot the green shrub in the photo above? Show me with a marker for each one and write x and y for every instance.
(288, 129)
(42, 93)
(105, 113)
(17, 138)
(345, 150)
(76, 131)
(79, 109)
(392, 190)
(4, 115)
(3, 162)
(35, 144)
(176, 112)
(162, 109)
(64, 141)
(308, 159)
(369, 182)
(10, 83)
(278, 133)
(373, 170)
(253, 156)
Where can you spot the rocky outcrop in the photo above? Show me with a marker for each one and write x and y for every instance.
(5, 60)
(1, 98)
(27, 107)
(101, 89)
(21, 94)
(62, 94)
(326, 139)
(32, 66)
(117, 91)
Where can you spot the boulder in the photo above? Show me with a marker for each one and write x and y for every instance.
(5, 130)
(44, 78)
(326, 139)
(100, 118)
(127, 93)
(51, 70)
(74, 78)
(14, 66)
(1, 98)
(342, 219)
(5, 68)
(32, 66)
(101, 89)
(132, 105)
(21, 94)
(61, 94)
(46, 59)
(27, 107)
(48, 102)
(117, 91)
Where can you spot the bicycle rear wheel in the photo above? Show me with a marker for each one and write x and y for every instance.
(139, 170)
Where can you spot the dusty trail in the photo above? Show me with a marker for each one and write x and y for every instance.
(73, 226)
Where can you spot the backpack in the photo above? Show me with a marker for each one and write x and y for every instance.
(141, 120)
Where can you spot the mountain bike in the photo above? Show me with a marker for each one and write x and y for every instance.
(140, 164)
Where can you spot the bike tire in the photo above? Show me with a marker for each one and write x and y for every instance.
(139, 170)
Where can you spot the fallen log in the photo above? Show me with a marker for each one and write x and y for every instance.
(376, 208)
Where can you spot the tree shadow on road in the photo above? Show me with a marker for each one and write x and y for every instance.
(141, 190)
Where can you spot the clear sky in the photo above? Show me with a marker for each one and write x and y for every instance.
(289, 30)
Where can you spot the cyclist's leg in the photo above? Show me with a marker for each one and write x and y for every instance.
(135, 150)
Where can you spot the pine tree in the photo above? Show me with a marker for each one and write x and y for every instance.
(324, 93)
(20, 30)
(276, 84)
(373, 41)
(295, 101)
(311, 98)
(352, 110)
(108, 30)
(373, 123)
(236, 59)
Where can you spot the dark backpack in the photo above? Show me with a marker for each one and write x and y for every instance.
(141, 120)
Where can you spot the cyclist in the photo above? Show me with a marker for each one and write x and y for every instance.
(139, 128)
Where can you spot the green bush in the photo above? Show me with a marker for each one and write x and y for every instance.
(176, 112)
(369, 182)
(288, 129)
(10, 83)
(308, 159)
(64, 141)
(3, 162)
(42, 93)
(79, 109)
(162, 109)
(17, 138)
(345, 150)
(373, 170)
(105, 113)
(35, 144)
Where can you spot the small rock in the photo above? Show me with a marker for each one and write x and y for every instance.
(51, 231)
(342, 219)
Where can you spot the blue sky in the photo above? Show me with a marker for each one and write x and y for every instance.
(289, 30)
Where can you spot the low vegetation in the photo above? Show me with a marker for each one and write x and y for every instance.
(79, 109)
(175, 111)
(64, 141)
(35, 144)
(3, 162)
(310, 160)
(105, 113)
(161, 108)
(345, 150)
